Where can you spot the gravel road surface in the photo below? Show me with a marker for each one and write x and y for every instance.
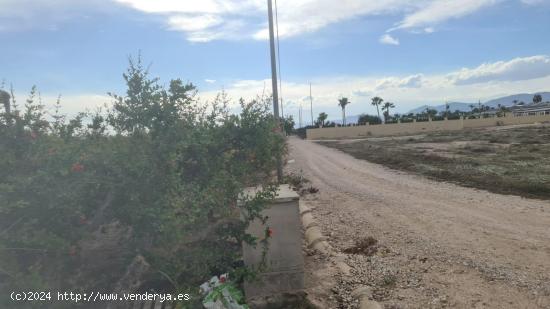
(439, 245)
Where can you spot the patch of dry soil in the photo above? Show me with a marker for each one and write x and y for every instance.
(443, 246)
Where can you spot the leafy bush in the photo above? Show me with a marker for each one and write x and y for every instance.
(154, 178)
(366, 118)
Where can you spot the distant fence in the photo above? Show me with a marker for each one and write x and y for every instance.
(421, 127)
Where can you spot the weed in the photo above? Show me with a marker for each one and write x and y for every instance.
(389, 280)
(308, 190)
(295, 181)
(366, 246)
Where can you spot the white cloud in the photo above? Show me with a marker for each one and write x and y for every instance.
(361, 93)
(71, 104)
(487, 81)
(211, 18)
(301, 16)
(193, 23)
(75, 103)
(534, 2)
(388, 39)
(513, 70)
(440, 11)
(210, 81)
(412, 81)
(207, 20)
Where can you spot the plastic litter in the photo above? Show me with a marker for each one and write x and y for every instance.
(220, 293)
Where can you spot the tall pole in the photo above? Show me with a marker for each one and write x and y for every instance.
(279, 61)
(274, 84)
(300, 114)
(311, 105)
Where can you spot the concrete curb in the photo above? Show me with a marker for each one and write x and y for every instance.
(363, 294)
(315, 240)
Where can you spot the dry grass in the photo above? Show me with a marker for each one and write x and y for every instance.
(508, 161)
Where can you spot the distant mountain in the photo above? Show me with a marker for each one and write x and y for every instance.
(504, 101)
(349, 119)
(463, 107)
(525, 97)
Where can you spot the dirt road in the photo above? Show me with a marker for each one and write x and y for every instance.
(440, 245)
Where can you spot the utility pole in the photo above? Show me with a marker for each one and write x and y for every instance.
(279, 62)
(311, 104)
(300, 115)
(274, 84)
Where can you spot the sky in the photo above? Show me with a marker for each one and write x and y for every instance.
(409, 52)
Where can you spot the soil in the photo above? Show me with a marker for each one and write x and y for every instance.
(507, 160)
(440, 245)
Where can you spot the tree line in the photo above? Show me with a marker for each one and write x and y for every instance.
(476, 111)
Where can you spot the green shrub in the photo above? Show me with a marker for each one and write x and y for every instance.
(156, 175)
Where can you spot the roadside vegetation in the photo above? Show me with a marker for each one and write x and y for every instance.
(138, 196)
(506, 160)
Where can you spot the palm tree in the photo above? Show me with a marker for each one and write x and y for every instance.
(377, 101)
(537, 99)
(480, 109)
(473, 111)
(447, 108)
(321, 119)
(342, 103)
(430, 112)
(387, 107)
(503, 109)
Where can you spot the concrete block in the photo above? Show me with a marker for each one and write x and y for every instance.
(285, 263)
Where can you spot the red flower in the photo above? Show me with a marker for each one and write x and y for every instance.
(222, 279)
(77, 167)
(83, 220)
(72, 251)
(269, 232)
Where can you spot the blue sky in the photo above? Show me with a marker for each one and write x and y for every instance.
(408, 52)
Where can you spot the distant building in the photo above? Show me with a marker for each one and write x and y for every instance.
(531, 109)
